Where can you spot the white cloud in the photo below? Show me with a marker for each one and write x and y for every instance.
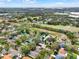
(59, 3)
(29, 1)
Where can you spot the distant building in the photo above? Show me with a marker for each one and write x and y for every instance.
(74, 14)
(57, 13)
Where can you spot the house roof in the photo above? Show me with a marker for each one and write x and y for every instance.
(7, 56)
(26, 57)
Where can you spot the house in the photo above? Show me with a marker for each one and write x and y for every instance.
(35, 53)
(48, 39)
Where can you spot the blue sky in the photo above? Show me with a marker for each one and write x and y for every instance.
(39, 3)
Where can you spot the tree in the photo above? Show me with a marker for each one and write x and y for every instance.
(32, 46)
(1, 48)
(72, 37)
(43, 54)
(25, 50)
(7, 46)
(18, 42)
(37, 38)
(24, 38)
(3, 42)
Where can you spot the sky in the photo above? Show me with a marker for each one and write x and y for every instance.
(39, 3)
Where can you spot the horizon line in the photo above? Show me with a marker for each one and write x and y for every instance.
(39, 7)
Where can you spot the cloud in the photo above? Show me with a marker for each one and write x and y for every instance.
(29, 1)
(36, 3)
(60, 3)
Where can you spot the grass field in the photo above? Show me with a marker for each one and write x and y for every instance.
(68, 28)
(47, 31)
